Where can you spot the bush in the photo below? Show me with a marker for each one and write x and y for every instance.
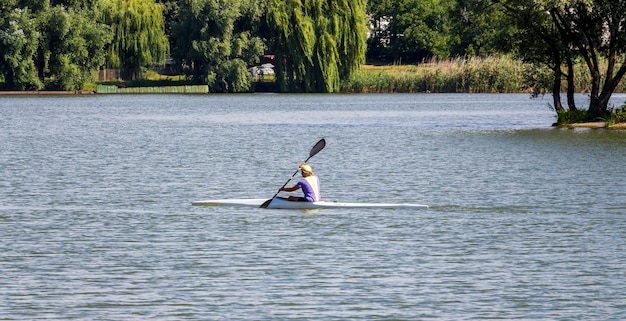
(573, 116)
(618, 115)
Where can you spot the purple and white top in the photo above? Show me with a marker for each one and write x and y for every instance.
(311, 188)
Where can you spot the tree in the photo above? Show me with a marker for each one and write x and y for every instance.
(379, 37)
(72, 45)
(538, 42)
(34, 5)
(216, 42)
(478, 28)
(592, 30)
(138, 35)
(597, 29)
(19, 38)
(316, 43)
(411, 30)
(62, 46)
(76, 4)
(170, 16)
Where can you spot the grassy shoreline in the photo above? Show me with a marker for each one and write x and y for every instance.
(461, 75)
(490, 74)
(615, 118)
(593, 125)
(471, 75)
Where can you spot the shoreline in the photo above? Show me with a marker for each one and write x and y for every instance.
(594, 125)
(47, 92)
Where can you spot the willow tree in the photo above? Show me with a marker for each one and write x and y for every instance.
(139, 38)
(317, 43)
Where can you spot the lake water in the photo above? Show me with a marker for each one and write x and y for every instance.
(526, 222)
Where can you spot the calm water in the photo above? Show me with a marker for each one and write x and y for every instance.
(526, 221)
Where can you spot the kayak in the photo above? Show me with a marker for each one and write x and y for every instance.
(282, 203)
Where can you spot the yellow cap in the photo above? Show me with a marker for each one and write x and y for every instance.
(306, 168)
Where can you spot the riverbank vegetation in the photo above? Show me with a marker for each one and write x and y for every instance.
(585, 118)
(491, 74)
(458, 75)
(535, 46)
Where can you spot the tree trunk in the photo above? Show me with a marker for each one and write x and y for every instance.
(591, 58)
(556, 82)
(571, 90)
(40, 64)
(594, 103)
(556, 90)
(610, 84)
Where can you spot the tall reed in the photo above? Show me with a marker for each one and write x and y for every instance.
(458, 75)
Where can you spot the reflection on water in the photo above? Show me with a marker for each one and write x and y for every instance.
(526, 221)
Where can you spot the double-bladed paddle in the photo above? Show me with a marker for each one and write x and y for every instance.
(316, 149)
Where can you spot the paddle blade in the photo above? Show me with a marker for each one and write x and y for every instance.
(318, 147)
(266, 203)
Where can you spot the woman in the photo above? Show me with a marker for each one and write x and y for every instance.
(309, 184)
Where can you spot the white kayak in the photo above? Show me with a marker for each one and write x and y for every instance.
(278, 202)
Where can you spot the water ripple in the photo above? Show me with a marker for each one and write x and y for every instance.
(526, 222)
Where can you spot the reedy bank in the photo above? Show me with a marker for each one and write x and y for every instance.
(460, 75)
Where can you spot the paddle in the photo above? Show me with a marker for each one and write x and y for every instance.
(316, 149)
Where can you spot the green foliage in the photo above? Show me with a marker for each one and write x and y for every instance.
(620, 115)
(72, 45)
(558, 33)
(610, 117)
(75, 4)
(215, 42)
(574, 116)
(320, 45)
(478, 28)
(617, 116)
(423, 26)
(410, 31)
(33, 5)
(138, 34)
(170, 15)
(51, 46)
(19, 38)
(538, 78)
(234, 77)
(321, 42)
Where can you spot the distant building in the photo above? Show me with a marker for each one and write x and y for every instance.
(262, 70)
